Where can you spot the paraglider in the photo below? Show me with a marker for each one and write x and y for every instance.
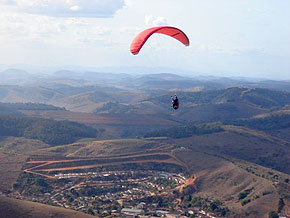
(142, 37)
(175, 102)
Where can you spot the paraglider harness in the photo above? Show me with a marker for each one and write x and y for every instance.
(175, 102)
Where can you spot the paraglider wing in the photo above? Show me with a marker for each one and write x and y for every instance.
(142, 37)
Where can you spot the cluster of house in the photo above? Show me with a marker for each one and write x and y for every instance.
(141, 213)
(129, 193)
(284, 216)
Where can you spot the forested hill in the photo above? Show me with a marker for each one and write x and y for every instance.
(187, 131)
(30, 106)
(264, 98)
(16, 108)
(48, 131)
(4, 109)
(273, 122)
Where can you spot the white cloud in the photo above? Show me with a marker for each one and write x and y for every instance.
(24, 30)
(69, 8)
(254, 10)
(7, 2)
(75, 8)
(150, 20)
(129, 3)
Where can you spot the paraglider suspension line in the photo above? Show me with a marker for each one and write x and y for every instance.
(175, 34)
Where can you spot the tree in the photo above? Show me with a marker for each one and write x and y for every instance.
(90, 211)
(273, 214)
(41, 182)
(280, 204)
(213, 206)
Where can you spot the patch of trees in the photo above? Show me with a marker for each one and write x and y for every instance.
(33, 185)
(9, 111)
(267, 123)
(96, 191)
(244, 194)
(206, 204)
(160, 201)
(273, 214)
(48, 131)
(114, 108)
(281, 204)
(187, 131)
(30, 106)
(153, 166)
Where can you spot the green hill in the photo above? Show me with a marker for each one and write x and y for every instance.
(187, 131)
(262, 98)
(272, 122)
(48, 131)
(15, 109)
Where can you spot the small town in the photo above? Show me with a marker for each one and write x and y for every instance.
(115, 194)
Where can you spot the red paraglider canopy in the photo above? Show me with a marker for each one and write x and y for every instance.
(142, 37)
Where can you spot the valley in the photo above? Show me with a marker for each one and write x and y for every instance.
(117, 149)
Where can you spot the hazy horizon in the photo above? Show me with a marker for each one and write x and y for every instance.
(242, 38)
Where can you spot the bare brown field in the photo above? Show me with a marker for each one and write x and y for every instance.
(101, 165)
(13, 208)
(120, 147)
(244, 145)
(10, 167)
(43, 167)
(102, 119)
(188, 182)
(223, 180)
(115, 125)
(107, 148)
(257, 133)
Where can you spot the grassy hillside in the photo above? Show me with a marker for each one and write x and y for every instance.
(227, 182)
(117, 147)
(115, 125)
(23, 94)
(21, 145)
(244, 144)
(261, 97)
(214, 105)
(12, 208)
(217, 176)
(10, 168)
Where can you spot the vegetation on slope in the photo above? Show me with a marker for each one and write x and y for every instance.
(264, 98)
(30, 106)
(15, 109)
(273, 122)
(48, 131)
(114, 108)
(187, 131)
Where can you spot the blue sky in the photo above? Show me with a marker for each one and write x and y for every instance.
(248, 38)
